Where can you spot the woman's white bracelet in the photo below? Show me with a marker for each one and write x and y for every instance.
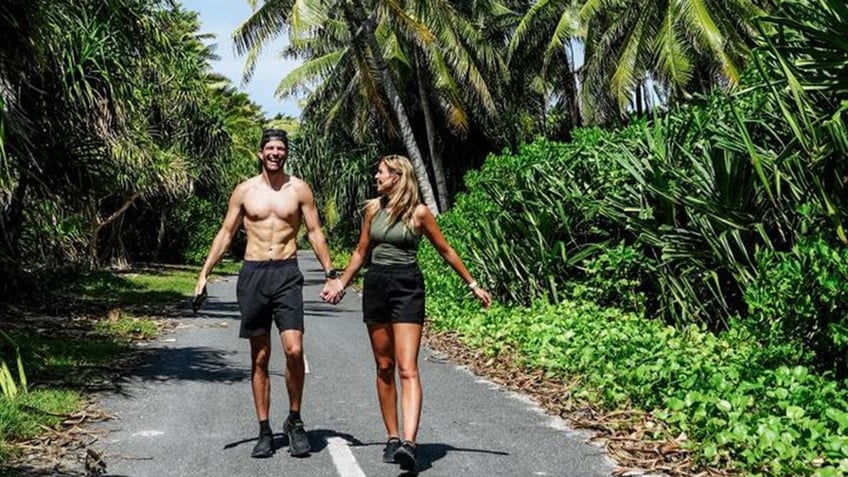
(473, 285)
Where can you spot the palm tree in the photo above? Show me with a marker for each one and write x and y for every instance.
(362, 56)
(688, 45)
(551, 27)
(368, 59)
(455, 69)
(105, 108)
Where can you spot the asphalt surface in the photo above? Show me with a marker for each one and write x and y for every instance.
(188, 411)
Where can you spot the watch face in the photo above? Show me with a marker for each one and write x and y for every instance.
(332, 273)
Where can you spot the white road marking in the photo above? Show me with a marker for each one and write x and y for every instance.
(305, 364)
(343, 458)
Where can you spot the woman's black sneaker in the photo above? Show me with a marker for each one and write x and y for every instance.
(389, 452)
(405, 455)
(264, 446)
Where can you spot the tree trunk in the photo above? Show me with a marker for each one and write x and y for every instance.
(435, 152)
(116, 252)
(639, 105)
(11, 223)
(379, 64)
(99, 224)
(160, 235)
(573, 90)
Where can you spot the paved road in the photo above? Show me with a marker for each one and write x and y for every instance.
(189, 412)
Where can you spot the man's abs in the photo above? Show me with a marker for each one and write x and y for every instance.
(271, 220)
(270, 239)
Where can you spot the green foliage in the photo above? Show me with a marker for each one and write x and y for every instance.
(530, 218)
(129, 328)
(614, 277)
(8, 386)
(341, 182)
(738, 408)
(710, 208)
(695, 204)
(117, 119)
(194, 226)
(25, 416)
(800, 298)
(801, 64)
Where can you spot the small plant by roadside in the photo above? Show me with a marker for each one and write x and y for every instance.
(24, 413)
(9, 386)
(127, 327)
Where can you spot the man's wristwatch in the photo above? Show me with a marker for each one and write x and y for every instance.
(331, 274)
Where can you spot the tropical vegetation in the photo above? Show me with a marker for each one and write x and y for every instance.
(655, 192)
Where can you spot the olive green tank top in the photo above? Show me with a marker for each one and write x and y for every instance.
(392, 244)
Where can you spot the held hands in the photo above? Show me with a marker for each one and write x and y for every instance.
(333, 291)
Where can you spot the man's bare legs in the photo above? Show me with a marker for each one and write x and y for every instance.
(295, 373)
(260, 351)
(260, 354)
(295, 369)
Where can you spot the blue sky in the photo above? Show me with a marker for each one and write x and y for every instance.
(221, 18)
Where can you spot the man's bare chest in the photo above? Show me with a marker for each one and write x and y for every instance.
(264, 204)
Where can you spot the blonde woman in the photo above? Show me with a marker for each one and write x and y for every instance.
(393, 295)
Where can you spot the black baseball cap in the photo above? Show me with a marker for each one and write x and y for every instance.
(272, 135)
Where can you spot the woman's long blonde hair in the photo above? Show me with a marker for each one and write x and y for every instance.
(404, 197)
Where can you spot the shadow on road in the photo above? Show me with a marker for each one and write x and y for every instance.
(215, 309)
(320, 308)
(317, 440)
(192, 364)
(429, 453)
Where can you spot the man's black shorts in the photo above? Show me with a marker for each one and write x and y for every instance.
(267, 289)
(393, 294)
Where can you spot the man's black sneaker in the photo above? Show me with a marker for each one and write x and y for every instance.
(389, 452)
(264, 446)
(298, 442)
(405, 455)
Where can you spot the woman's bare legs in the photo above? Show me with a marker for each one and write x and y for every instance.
(407, 342)
(382, 344)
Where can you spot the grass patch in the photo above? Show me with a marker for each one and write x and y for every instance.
(70, 361)
(145, 286)
(23, 417)
(128, 328)
(71, 345)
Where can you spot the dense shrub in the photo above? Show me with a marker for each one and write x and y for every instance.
(799, 301)
(737, 408)
(530, 218)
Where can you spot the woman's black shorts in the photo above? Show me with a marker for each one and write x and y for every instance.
(266, 290)
(393, 294)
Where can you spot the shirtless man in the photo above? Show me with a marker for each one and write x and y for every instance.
(271, 206)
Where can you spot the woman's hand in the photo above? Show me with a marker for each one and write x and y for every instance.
(483, 296)
(333, 291)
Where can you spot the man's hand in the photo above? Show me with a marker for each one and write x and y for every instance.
(199, 294)
(333, 291)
